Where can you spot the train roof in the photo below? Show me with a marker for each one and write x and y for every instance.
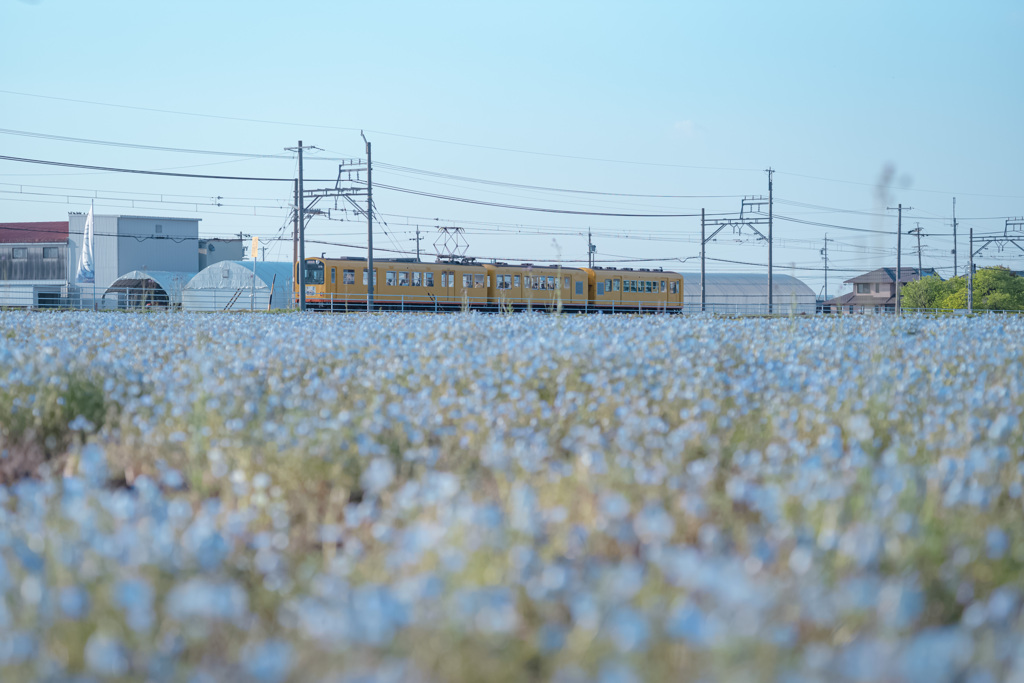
(606, 269)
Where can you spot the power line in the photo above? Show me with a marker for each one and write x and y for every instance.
(376, 132)
(111, 169)
(449, 176)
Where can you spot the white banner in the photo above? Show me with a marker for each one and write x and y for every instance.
(86, 265)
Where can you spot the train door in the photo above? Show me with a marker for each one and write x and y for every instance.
(447, 286)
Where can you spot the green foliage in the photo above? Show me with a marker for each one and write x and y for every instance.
(995, 289)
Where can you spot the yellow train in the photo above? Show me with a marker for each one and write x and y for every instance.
(409, 285)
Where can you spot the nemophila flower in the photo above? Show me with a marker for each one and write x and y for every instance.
(728, 485)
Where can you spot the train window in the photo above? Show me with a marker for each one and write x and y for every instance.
(313, 275)
(675, 287)
(579, 288)
(663, 286)
(479, 280)
(332, 275)
(488, 280)
(348, 277)
(467, 280)
(551, 282)
(615, 285)
(567, 280)
(403, 279)
(374, 277)
(390, 278)
(607, 285)
(417, 279)
(515, 280)
(428, 279)
(600, 289)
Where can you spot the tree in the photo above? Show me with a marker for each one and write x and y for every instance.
(995, 289)
(924, 293)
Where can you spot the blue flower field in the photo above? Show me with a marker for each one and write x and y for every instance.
(403, 497)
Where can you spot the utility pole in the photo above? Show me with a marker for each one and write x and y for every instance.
(417, 240)
(301, 215)
(770, 293)
(954, 237)
(369, 226)
(899, 251)
(970, 274)
(824, 253)
(703, 243)
(590, 249)
(917, 231)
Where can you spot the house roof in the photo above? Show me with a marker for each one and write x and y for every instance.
(888, 275)
(34, 233)
(853, 299)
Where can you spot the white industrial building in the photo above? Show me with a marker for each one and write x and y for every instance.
(233, 286)
(747, 294)
(122, 244)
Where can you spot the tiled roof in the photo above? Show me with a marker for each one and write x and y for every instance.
(33, 233)
(889, 275)
(852, 299)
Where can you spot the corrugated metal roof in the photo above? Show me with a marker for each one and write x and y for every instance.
(34, 233)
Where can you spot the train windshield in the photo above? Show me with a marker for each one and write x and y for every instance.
(314, 273)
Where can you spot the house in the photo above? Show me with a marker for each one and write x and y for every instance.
(874, 291)
(34, 265)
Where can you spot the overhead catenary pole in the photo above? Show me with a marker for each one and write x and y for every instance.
(770, 172)
(300, 264)
(295, 227)
(825, 254)
(899, 251)
(703, 245)
(369, 226)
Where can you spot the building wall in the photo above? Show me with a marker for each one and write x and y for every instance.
(35, 265)
(213, 251)
(126, 243)
(157, 244)
(104, 250)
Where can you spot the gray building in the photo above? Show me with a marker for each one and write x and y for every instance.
(126, 243)
(34, 264)
(217, 249)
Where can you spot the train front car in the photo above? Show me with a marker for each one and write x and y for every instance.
(627, 290)
(313, 274)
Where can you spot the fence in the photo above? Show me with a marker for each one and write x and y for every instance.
(31, 296)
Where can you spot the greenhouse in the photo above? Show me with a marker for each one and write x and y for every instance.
(747, 294)
(145, 289)
(232, 286)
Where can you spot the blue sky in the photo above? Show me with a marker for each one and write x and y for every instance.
(677, 98)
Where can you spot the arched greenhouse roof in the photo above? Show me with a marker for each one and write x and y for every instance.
(163, 285)
(747, 293)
